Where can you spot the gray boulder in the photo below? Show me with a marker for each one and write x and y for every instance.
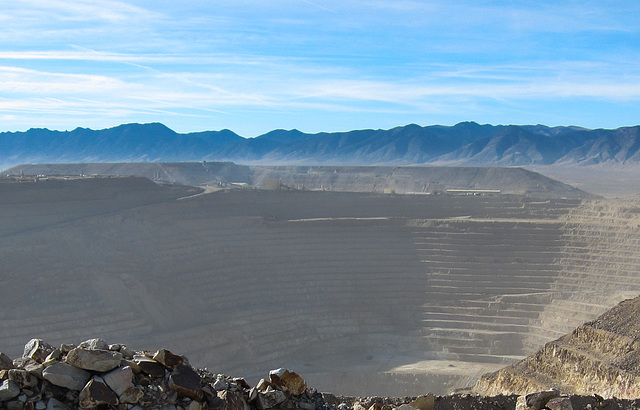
(65, 375)
(119, 380)
(22, 378)
(270, 399)
(5, 362)
(38, 350)
(94, 344)
(96, 360)
(8, 390)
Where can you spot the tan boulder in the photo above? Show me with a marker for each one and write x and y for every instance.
(287, 381)
(424, 402)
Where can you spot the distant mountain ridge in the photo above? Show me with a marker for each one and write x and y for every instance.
(464, 144)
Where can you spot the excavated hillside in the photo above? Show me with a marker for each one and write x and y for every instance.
(599, 263)
(363, 293)
(602, 356)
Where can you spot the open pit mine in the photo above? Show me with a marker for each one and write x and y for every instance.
(362, 293)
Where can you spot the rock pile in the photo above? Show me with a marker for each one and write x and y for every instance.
(97, 375)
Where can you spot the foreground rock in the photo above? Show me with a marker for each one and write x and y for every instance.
(94, 374)
(87, 376)
(94, 359)
(65, 375)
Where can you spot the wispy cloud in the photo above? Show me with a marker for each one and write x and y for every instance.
(26, 89)
(108, 11)
(295, 60)
(542, 16)
(318, 5)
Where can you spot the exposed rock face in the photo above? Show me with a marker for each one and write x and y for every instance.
(600, 357)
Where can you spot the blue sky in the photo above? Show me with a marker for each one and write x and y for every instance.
(317, 65)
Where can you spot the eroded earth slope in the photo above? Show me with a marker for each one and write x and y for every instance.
(600, 356)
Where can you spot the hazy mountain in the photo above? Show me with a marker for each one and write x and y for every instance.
(467, 143)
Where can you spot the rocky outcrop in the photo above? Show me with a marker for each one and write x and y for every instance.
(601, 356)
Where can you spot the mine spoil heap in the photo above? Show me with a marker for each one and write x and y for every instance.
(98, 375)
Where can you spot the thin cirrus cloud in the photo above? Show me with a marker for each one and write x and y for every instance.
(247, 66)
(60, 11)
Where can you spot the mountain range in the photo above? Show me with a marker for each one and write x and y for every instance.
(464, 144)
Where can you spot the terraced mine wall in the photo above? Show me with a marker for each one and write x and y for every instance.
(360, 293)
(599, 263)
